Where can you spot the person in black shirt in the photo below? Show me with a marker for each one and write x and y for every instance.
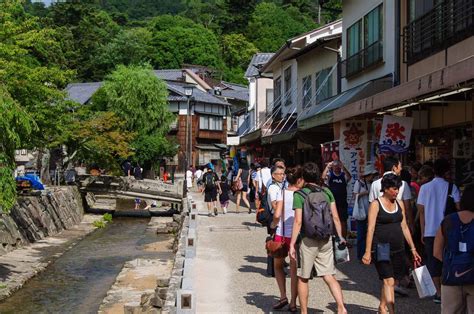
(224, 194)
(337, 182)
(211, 187)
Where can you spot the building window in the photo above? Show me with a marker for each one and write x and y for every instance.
(269, 98)
(364, 43)
(288, 86)
(276, 96)
(323, 85)
(210, 123)
(434, 26)
(307, 91)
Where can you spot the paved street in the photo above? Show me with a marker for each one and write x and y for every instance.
(231, 264)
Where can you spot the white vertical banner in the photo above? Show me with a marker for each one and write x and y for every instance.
(395, 134)
(353, 149)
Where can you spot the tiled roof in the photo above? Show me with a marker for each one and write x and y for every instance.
(198, 94)
(257, 61)
(170, 75)
(242, 95)
(82, 92)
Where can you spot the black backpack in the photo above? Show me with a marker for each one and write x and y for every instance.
(450, 204)
(264, 213)
(209, 181)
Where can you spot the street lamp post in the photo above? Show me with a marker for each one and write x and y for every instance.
(188, 91)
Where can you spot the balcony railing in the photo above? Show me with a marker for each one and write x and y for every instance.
(362, 60)
(447, 23)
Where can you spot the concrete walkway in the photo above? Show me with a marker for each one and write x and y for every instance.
(231, 272)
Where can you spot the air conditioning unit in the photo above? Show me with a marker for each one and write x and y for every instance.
(217, 91)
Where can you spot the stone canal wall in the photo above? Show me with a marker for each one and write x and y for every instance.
(35, 217)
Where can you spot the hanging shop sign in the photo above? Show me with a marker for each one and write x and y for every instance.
(463, 148)
(330, 151)
(395, 134)
(353, 148)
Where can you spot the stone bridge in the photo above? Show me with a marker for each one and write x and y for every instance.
(129, 187)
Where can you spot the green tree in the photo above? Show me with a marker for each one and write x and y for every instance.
(271, 25)
(237, 52)
(237, 15)
(99, 137)
(139, 98)
(90, 27)
(30, 60)
(130, 46)
(178, 40)
(15, 127)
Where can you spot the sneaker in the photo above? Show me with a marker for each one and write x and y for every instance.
(215, 211)
(210, 215)
(250, 210)
(437, 299)
(401, 291)
(225, 210)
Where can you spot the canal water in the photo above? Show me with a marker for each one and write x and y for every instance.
(78, 281)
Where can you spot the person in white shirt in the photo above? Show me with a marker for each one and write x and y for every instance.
(189, 178)
(283, 219)
(431, 204)
(198, 174)
(264, 176)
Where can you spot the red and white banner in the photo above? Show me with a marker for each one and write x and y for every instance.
(395, 134)
(353, 148)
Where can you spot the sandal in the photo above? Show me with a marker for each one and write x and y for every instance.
(282, 303)
(292, 309)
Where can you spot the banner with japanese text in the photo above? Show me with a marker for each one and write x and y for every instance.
(395, 134)
(353, 149)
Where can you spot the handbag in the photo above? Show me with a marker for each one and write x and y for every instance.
(383, 252)
(237, 184)
(424, 283)
(358, 211)
(278, 249)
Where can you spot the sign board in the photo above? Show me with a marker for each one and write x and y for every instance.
(395, 134)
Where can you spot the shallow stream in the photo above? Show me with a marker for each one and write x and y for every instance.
(78, 281)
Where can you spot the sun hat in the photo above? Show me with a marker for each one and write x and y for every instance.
(369, 169)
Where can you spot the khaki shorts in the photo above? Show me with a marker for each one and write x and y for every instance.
(457, 299)
(318, 253)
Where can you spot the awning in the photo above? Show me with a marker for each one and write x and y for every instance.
(444, 78)
(323, 113)
(279, 138)
(251, 137)
(207, 147)
(221, 146)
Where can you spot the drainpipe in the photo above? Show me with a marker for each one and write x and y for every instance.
(398, 34)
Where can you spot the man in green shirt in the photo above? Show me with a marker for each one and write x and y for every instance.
(317, 252)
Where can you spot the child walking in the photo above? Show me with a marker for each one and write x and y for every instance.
(224, 195)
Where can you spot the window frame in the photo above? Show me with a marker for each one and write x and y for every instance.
(307, 90)
(287, 88)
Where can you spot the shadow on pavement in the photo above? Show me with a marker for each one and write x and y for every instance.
(252, 224)
(352, 308)
(253, 269)
(256, 259)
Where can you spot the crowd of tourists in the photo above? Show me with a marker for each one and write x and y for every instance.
(405, 218)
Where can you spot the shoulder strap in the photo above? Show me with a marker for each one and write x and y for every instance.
(450, 189)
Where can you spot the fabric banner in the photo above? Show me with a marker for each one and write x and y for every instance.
(353, 149)
(330, 151)
(395, 134)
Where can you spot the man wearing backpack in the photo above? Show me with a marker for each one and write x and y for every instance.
(433, 204)
(211, 187)
(316, 217)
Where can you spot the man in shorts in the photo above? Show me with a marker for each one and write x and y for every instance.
(211, 187)
(315, 252)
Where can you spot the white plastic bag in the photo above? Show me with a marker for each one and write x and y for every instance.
(358, 211)
(424, 283)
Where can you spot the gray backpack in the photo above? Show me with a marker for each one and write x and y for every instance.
(317, 216)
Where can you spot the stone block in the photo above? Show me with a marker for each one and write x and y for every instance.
(161, 293)
(185, 301)
(162, 282)
(146, 298)
(157, 302)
